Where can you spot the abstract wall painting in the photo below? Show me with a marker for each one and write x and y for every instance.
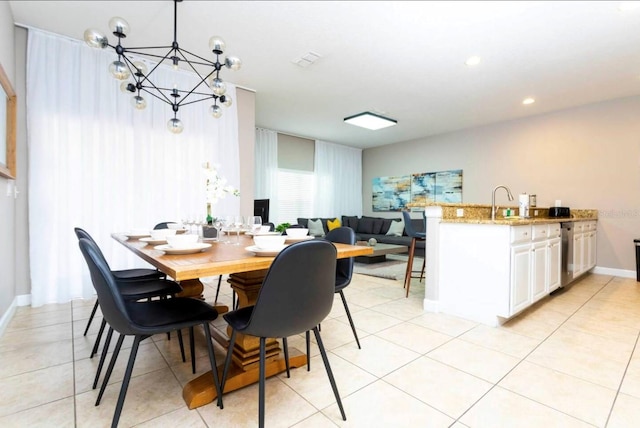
(394, 193)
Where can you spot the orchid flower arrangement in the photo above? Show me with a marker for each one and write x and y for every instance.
(216, 186)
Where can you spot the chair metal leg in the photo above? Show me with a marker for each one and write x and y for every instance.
(227, 360)
(192, 348)
(424, 264)
(125, 381)
(184, 358)
(112, 363)
(261, 397)
(286, 355)
(218, 289)
(353, 327)
(93, 312)
(308, 350)
(214, 365)
(329, 372)
(103, 356)
(103, 324)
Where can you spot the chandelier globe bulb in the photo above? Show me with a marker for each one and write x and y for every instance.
(119, 70)
(119, 26)
(141, 68)
(175, 126)
(215, 111)
(227, 100)
(217, 45)
(233, 62)
(218, 86)
(138, 102)
(95, 38)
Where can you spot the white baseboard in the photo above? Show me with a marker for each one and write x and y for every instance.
(22, 300)
(614, 272)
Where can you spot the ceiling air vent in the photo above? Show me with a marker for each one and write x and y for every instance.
(307, 59)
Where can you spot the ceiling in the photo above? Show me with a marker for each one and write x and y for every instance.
(405, 60)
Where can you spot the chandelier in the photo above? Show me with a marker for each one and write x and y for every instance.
(136, 78)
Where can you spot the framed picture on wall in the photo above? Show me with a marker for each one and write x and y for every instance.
(391, 193)
(8, 111)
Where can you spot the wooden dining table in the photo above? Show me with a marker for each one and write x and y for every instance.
(246, 272)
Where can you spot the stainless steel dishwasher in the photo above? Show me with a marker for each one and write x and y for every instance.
(567, 253)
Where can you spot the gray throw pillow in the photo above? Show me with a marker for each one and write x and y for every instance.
(315, 228)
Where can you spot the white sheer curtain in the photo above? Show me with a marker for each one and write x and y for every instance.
(266, 174)
(338, 171)
(97, 163)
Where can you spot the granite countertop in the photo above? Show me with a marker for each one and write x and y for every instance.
(481, 214)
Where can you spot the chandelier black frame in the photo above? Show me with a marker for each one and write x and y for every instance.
(125, 67)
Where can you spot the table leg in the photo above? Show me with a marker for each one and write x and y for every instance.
(245, 370)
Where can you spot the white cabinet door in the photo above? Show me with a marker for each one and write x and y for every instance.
(590, 246)
(539, 270)
(520, 277)
(578, 254)
(554, 264)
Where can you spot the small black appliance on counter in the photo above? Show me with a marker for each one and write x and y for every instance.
(559, 212)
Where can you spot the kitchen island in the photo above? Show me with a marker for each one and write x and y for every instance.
(490, 270)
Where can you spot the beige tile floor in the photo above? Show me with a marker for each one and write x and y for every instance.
(572, 360)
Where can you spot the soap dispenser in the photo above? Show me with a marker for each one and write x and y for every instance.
(523, 205)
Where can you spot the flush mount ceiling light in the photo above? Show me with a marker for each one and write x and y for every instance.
(473, 61)
(370, 121)
(126, 67)
(528, 101)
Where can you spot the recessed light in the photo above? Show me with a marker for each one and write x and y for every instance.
(528, 101)
(473, 61)
(370, 121)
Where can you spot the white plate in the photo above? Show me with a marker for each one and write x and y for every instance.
(265, 253)
(149, 240)
(291, 239)
(136, 234)
(197, 247)
(263, 233)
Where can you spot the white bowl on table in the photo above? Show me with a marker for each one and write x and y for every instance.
(269, 242)
(182, 241)
(159, 234)
(297, 232)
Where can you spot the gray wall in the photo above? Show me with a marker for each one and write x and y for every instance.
(588, 157)
(246, 105)
(8, 223)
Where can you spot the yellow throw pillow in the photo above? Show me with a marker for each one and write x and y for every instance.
(333, 224)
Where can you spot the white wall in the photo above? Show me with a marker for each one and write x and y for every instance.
(588, 157)
(7, 204)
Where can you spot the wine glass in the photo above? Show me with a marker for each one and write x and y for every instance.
(229, 227)
(219, 223)
(254, 223)
(238, 221)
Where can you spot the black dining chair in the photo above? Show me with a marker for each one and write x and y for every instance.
(415, 236)
(142, 319)
(295, 296)
(344, 269)
(135, 284)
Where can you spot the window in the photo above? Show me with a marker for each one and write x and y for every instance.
(295, 196)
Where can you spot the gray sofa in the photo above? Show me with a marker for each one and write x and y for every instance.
(374, 227)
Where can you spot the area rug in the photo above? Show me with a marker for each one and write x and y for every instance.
(394, 268)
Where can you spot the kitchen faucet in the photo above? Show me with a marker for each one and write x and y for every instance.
(493, 200)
